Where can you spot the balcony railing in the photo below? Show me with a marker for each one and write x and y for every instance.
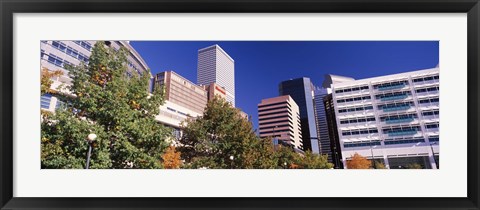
(404, 120)
(393, 87)
(397, 97)
(397, 108)
(402, 133)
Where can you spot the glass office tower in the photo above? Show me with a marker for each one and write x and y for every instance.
(301, 90)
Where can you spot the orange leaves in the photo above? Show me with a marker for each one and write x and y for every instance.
(134, 105)
(358, 162)
(171, 158)
(46, 82)
(102, 75)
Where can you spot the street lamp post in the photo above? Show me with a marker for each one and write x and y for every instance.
(90, 139)
(433, 154)
(284, 165)
(231, 161)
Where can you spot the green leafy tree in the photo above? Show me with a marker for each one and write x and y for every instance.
(221, 133)
(115, 106)
(313, 161)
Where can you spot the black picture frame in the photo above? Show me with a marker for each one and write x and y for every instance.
(10, 7)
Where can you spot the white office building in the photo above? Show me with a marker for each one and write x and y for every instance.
(393, 119)
(216, 66)
(54, 55)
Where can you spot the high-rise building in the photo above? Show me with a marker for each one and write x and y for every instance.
(301, 90)
(216, 66)
(279, 118)
(392, 119)
(326, 119)
(55, 54)
(336, 153)
(321, 123)
(183, 99)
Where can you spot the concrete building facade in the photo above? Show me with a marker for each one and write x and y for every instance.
(279, 118)
(183, 100)
(392, 119)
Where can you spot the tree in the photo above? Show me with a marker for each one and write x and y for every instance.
(117, 107)
(313, 161)
(379, 165)
(358, 162)
(210, 140)
(171, 158)
(414, 166)
(46, 80)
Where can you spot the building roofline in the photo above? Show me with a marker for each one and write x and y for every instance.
(217, 47)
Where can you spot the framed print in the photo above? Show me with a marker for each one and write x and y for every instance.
(239, 105)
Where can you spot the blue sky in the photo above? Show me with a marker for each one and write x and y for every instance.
(261, 65)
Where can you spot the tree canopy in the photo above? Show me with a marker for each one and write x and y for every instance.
(358, 162)
(112, 102)
(222, 138)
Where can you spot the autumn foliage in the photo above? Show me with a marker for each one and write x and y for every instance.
(46, 80)
(171, 158)
(358, 162)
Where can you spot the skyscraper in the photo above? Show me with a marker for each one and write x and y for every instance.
(279, 118)
(301, 90)
(216, 66)
(321, 122)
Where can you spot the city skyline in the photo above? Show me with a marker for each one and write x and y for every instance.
(261, 65)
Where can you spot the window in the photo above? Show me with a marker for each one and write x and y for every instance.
(45, 101)
(55, 60)
(59, 45)
(84, 44)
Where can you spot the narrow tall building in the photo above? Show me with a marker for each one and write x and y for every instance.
(279, 118)
(216, 66)
(301, 90)
(321, 123)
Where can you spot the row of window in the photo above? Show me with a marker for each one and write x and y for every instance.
(354, 99)
(429, 89)
(351, 89)
(392, 141)
(398, 117)
(403, 141)
(394, 105)
(401, 129)
(84, 44)
(428, 100)
(355, 109)
(432, 125)
(388, 95)
(273, 104)
(361, 144)
(426, 78)
(70, 51)
(262, 113)
(277, 117)
(359, 132)
(276, 131)
(179, 112)
(391, 84)
(430, 113)
(358, 120)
